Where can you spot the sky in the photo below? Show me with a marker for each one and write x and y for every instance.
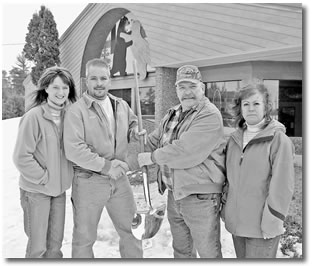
(16, 17)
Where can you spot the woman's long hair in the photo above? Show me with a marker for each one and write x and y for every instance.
(246, 92)
(40, 95)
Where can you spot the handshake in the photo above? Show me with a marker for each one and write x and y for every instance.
(118, 168)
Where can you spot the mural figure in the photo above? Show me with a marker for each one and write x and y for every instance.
(140, 47)
(119, 59)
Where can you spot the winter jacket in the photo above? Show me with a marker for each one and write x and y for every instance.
(260, 182)
(196, 155)
(88, 142)
(39, 154)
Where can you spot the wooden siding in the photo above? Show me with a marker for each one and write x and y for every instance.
(186, 33)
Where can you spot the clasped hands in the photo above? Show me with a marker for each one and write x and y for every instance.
(117, 169)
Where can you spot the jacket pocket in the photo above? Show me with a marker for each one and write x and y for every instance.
(213, 198)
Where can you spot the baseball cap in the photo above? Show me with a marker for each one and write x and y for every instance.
(188, 73)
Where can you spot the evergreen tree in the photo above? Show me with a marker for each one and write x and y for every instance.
(42, 43)
(13, 90)
(5, 79)
(6, 87)
(18, 74)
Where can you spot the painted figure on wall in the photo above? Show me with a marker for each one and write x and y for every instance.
(140, 47)
(120, 51)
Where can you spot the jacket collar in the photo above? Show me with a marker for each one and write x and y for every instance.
(90, 100)
(266, 134)
(47, 113)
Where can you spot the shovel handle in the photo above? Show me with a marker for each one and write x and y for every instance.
(146, 188)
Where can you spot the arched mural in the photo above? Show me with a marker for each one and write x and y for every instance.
(119, 62)
(98, 35)
(111, 44)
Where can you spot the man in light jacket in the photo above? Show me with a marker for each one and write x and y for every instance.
(188, 147)
(97, 130)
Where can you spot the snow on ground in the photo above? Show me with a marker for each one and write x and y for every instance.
(106, 246)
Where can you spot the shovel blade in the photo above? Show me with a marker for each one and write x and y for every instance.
(147, 223)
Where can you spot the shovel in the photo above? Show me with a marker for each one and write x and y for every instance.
(146, 223)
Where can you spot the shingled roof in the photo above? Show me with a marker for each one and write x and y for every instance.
(204, 34)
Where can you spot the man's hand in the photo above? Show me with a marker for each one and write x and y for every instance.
(117, 163)
(138, 134)
(116, 172)
(144, 159)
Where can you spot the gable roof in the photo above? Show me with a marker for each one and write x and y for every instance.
(204, 34)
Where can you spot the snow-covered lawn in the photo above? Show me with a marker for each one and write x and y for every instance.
(14, 239)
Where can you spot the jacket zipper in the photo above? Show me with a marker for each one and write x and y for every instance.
(253, 141)
(266, 138)
(242, 156)
(59, 146)
(115, 117)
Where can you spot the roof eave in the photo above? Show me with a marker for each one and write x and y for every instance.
(266, 54)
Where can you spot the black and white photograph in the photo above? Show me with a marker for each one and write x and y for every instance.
(154, 130)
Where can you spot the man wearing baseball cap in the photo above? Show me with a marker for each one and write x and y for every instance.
(188, 147)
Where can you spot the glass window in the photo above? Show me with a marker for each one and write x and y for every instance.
(125, 94)
(222, 95)
(286, 96)
(147, 99)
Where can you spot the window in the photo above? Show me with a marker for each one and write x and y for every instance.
(286, 97)
(124, 93)
(222, 95)
(147, 98)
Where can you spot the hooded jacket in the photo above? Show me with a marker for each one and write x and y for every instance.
(88, 142)
(39, 154)
(196, 155)
(260, 182)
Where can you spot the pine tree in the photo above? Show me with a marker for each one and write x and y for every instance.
(5, 79)
(13, 89)
(18, 74)
(6, 86)
(42, 43)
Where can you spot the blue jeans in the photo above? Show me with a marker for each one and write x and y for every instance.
(195, 225)
(90, 193)
(44, 220)
(246, 247)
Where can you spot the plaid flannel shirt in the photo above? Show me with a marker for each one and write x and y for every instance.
(168, 136)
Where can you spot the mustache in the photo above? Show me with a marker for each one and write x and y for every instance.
(188, 97)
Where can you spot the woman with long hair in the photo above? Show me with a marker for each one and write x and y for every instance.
(45, 173)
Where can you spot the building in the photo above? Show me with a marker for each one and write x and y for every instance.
(232, 44)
